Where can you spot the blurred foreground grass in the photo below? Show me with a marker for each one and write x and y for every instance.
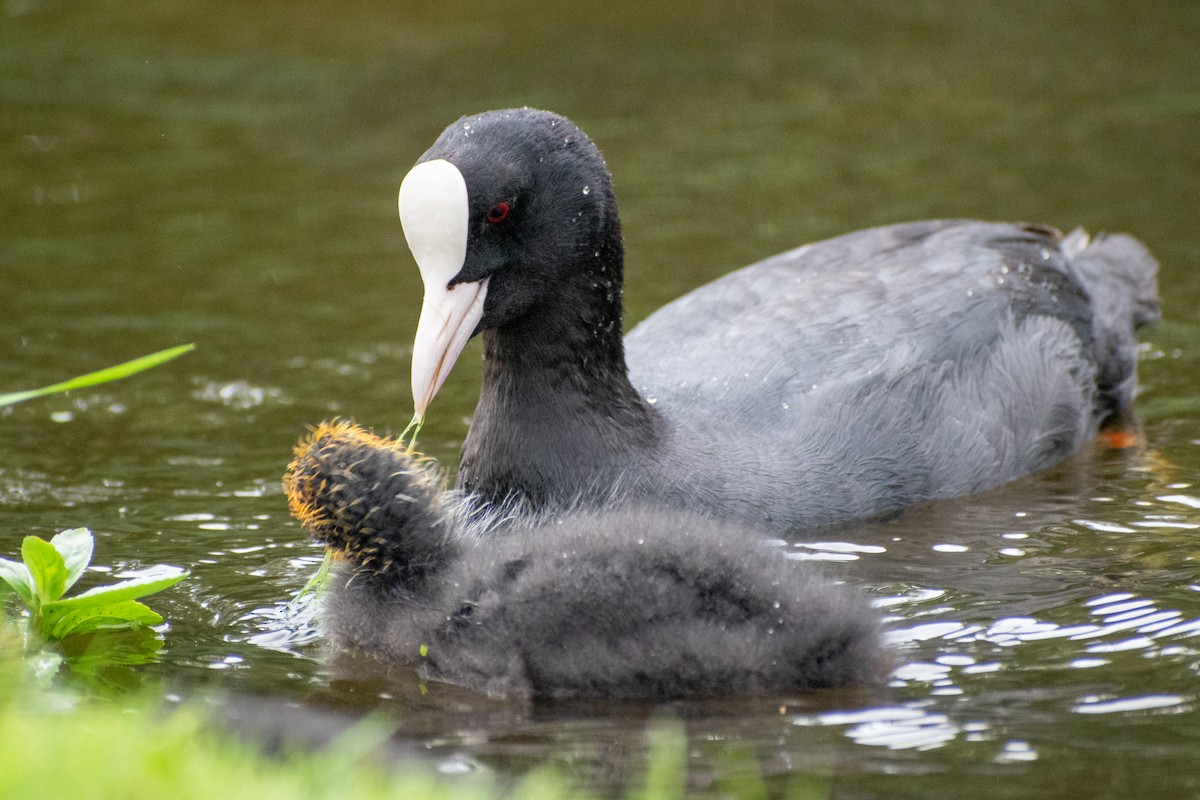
(141, 752)
(56, 744)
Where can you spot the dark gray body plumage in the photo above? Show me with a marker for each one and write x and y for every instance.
(890, 366)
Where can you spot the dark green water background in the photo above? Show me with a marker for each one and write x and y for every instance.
(225, 173)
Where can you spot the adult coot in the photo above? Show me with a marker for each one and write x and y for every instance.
(630, 603)
(843, 379)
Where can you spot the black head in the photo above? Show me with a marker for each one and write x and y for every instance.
(539, 195)
(510, 215)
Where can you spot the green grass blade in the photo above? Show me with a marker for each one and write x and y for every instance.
(410, 433)
(318, 581)
(101, 376)
(666, 772)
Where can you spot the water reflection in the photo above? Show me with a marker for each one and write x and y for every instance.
(899, 728)
(288, 627)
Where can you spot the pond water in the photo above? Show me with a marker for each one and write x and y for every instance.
(225, 173)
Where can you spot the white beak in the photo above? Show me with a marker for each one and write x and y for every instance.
(435, 216)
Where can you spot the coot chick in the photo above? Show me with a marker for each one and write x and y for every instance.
(844, 379)
(634, 603)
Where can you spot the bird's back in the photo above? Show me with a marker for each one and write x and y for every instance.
(897, 364)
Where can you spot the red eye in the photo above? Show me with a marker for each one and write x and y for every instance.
(499, 212)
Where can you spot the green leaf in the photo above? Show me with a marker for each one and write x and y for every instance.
(107, 595)
(47, 567)
(100, 376)
(123, 614)
(75, 546)
(17, 575)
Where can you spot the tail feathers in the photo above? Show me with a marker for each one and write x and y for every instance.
(1117, 267)
(370, 502)
(1121, 276)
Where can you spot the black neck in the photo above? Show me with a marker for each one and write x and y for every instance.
(575, 335)
(556, 408)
